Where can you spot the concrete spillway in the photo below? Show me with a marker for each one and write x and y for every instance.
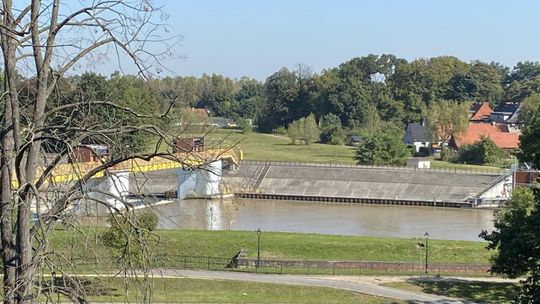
(398, 184)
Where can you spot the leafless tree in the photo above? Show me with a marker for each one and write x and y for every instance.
(41, 42)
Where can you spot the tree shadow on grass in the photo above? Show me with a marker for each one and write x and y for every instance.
(475, 291)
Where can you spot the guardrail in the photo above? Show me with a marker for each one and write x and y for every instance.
(400, 168)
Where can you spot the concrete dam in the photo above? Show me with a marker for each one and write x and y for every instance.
(375, 185)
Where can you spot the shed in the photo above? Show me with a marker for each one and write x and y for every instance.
(419, 162)
(191, 144)
(90, 153)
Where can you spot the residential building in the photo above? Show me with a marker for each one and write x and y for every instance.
(498, 133)
(417, 135)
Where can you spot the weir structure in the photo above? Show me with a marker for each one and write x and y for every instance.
(198, 175)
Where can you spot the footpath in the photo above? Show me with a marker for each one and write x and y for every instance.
(365, 285)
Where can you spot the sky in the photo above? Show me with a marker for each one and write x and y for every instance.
(254, 38)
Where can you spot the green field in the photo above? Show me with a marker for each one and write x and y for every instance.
(478, 292)
(282, 246)
(183, 290)
(260, 146)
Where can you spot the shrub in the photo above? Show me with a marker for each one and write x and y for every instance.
(281, 130)
(148, 221)
(481, 152)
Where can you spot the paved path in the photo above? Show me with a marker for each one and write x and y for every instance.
(357, 285)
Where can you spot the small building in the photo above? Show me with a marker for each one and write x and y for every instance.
(419, 162)
(190, 144)
(355, 140)
(417, 136)
(90, 153)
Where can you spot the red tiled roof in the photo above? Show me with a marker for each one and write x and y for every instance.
(482, 114)
(200, 112)
(504, 140)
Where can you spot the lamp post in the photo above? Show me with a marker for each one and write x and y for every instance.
(211, 218)
(426, 237)
(258, 247)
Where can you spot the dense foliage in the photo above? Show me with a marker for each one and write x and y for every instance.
(304, 130)
(481, 152)
(515, 240)
(517, 227)
(358, 94)
(384, 147)
(530, 144)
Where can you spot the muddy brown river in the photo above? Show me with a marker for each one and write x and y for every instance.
(325, 218)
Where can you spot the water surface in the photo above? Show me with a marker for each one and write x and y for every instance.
(326, 218)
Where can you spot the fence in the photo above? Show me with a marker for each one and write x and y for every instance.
(295, 267)
(323, 165)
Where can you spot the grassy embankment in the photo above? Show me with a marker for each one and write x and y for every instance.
(169, 290)
(283, 246)
(478, 292)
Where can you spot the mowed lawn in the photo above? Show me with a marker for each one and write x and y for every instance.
(183, 290)
(282, 246)
(475, 291)
(259, 146)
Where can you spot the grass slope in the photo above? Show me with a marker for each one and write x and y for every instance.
(285, 246)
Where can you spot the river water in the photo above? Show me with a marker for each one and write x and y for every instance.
(325, 218)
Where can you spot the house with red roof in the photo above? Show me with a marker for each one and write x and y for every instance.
(498, 133)
(480, 112)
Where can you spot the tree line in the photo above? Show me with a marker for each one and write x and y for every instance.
(359, 92)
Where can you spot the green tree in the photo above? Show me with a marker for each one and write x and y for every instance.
(310, 130)
(530, 144)
(446, 118)
(331, 130)
(371, 121)
(462, 86)
(295, 130)
(515, 241)
(282, 89)
(385, 147)
(529, 108)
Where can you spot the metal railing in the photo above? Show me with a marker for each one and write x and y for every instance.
(293, 266)
(400, 168)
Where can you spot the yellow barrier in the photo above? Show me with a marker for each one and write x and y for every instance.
(75, 171)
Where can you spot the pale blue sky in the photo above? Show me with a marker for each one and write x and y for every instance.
(255, 38)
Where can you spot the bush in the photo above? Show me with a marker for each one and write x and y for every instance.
(281, 130)
(243, 125)
(448, 155)
(124, 227)
(148, 221)
(384, 147)
(332, 135)
(481, 152)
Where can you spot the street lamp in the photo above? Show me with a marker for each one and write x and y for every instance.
(258, 246)
(426, 237)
